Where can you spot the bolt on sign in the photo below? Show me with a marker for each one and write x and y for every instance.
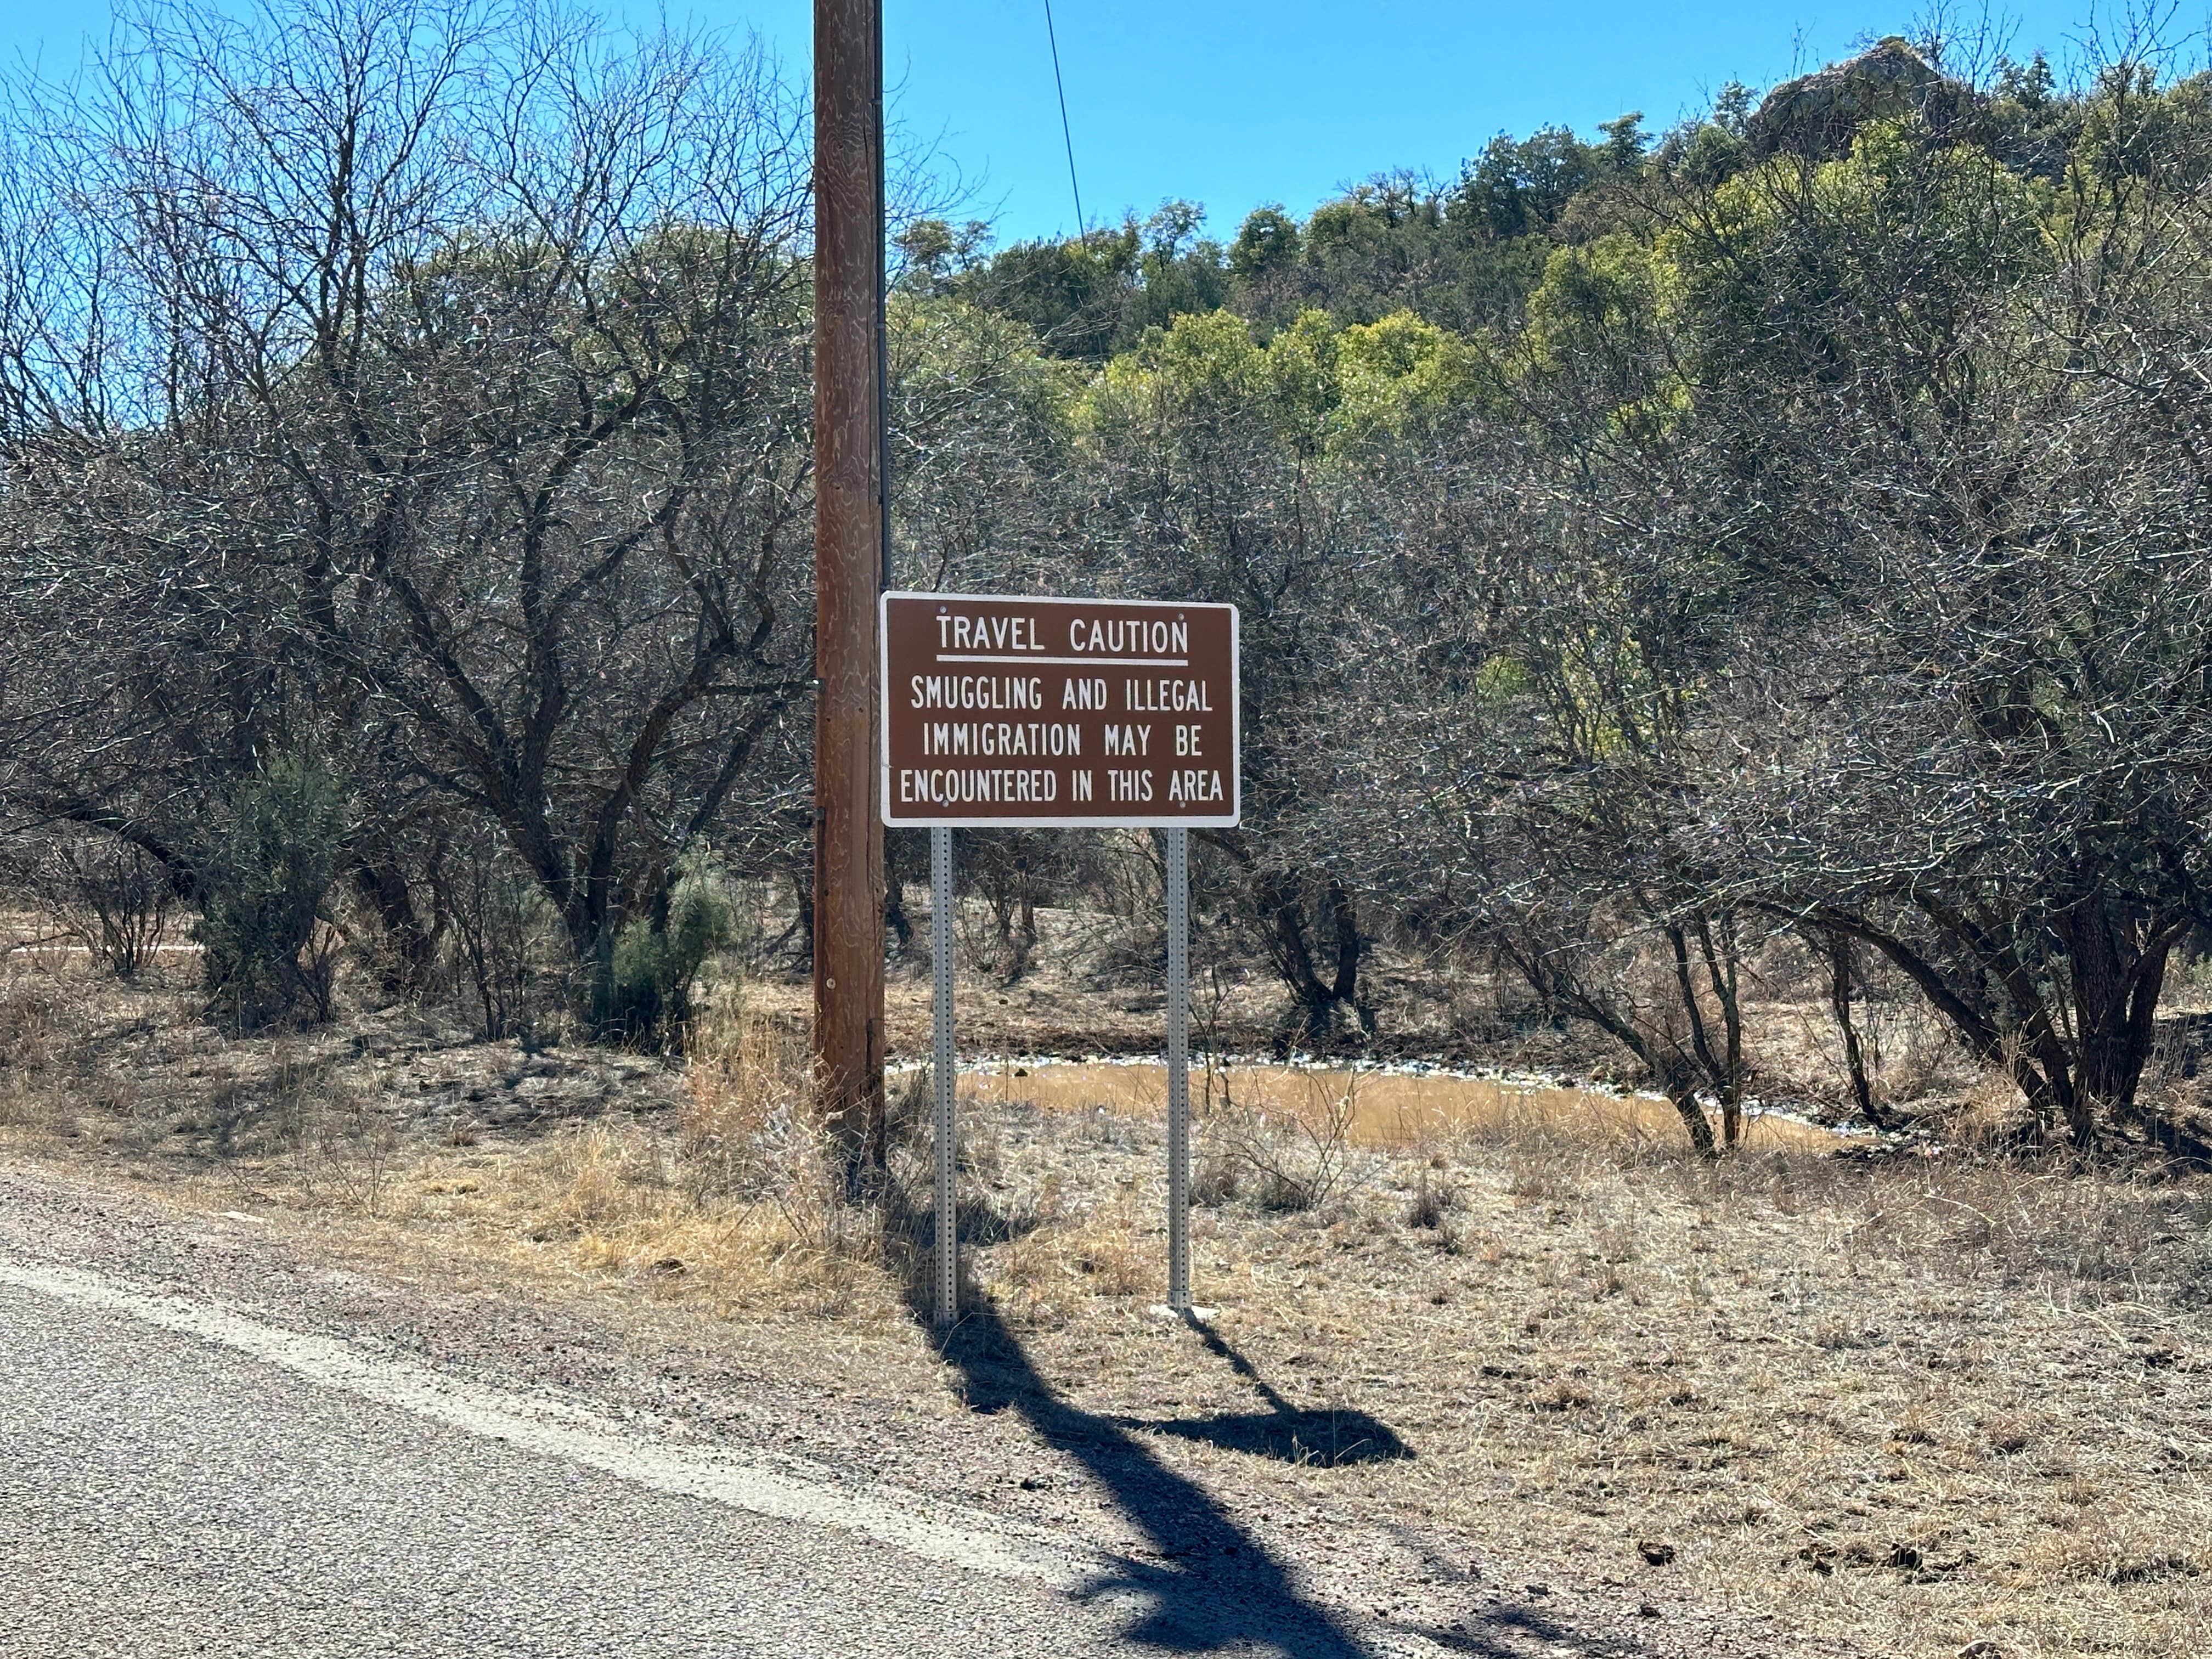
(1013, 713)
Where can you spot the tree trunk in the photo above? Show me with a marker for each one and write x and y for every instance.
(1840, 978)
(802, 888)
(2120, 971)
(1344, 917)
(384, 889)
(1025, 936)
(1686, 1103)
(1293, 959)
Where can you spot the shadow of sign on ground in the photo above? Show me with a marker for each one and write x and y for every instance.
(1332, 1438)
(1212, 1587)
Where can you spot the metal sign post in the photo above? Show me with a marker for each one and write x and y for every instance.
(1002, 711)
(943, 1075)
(1178, 840)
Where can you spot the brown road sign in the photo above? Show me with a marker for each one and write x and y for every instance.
(1077, 712)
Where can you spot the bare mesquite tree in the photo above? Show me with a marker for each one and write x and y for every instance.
(1207, 466)
(1977, 742)
(1547, 758)
(1826, 551)
(428, 382)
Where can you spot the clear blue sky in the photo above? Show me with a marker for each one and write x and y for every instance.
(1231, 103)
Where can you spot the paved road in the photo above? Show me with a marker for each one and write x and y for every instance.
(175, 1479)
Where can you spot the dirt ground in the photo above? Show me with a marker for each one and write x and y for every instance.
(1828, 1397)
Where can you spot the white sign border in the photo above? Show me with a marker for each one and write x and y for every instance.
(1236, 817)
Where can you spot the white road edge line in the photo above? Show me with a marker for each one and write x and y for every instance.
(921, 1526)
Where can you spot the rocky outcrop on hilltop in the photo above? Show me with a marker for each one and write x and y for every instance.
(1818, 114)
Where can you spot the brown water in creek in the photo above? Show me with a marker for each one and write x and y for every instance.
(1384, 1108)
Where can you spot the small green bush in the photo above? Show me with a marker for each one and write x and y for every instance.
(646, 977)
(279, 840)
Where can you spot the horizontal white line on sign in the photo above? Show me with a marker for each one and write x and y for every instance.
(1087, 662)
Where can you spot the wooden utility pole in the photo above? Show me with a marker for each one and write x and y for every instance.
(849, 550)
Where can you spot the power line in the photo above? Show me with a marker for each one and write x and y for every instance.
(1060, 86)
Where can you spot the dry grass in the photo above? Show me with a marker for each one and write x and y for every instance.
(1377, 1107)
(731, 1206)
(1910, 1404)
(616, 1200)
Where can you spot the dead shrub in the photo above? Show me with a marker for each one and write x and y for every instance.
(1914, 1428)
(1543, 1169)
(504, 938)
(1111, 1257)
(28, 1039)
(115, 899)
(746, 1123)
(910, 1110)
(25, 1096)
(603, 1179)
(1561, 1395)
(1430, 1210)
(338, 1136)
(1217, 1180)
(2119, 1549)
(616, 1200)
(1300, 1155)
(1917, 1053)
(977, 1153)
(1840, 1332)
(778, 1232)
(2112, 1231)
(1039, 1276)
